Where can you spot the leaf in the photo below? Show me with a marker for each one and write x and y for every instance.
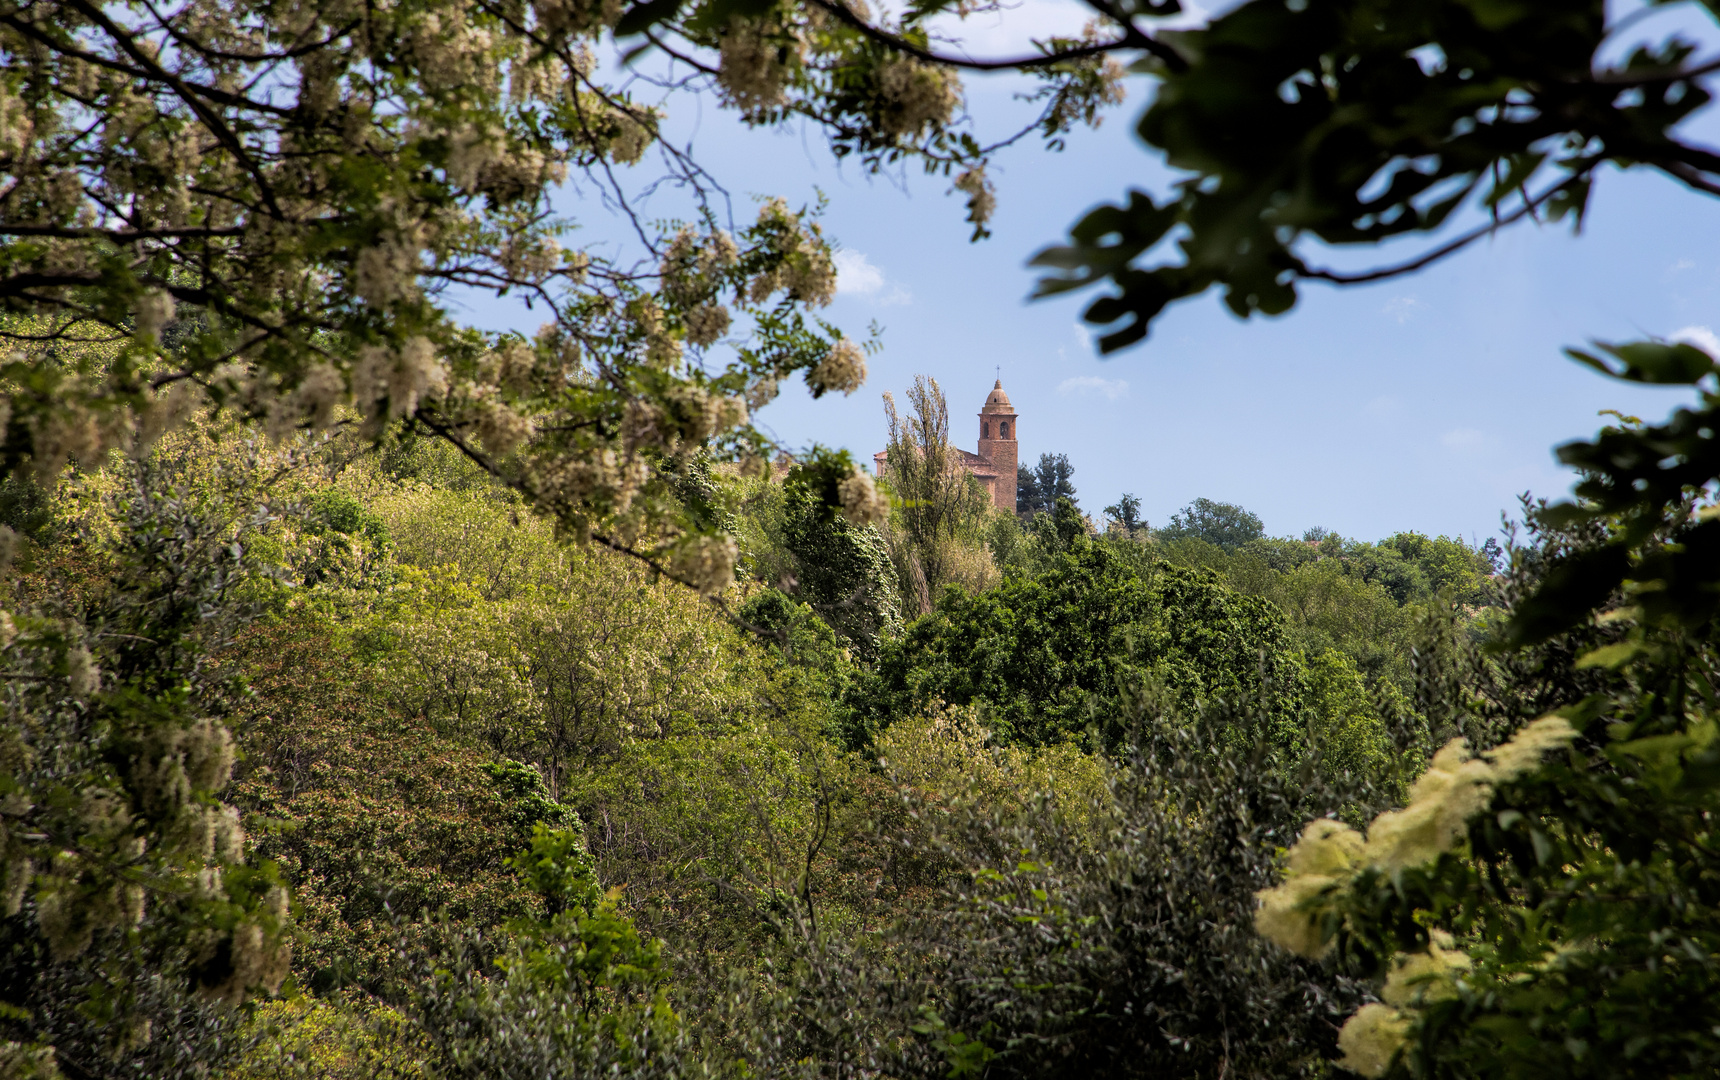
(642, 17)
(1611, 657)
(1571, 591)
(1657, 363)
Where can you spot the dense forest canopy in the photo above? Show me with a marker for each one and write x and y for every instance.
(388, 697)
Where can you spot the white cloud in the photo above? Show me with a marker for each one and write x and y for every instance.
(1092, 384)
(1403, 308)
(1463, 439)
(857, 276)
(1681, 264)
(1701, 337)
(1084, 336)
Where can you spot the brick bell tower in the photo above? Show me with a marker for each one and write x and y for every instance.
(997, 444)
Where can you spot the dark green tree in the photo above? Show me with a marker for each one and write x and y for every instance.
(1043, 654)
(842, 570)
(1223, 525)
(1127, 513)
(1039, 488)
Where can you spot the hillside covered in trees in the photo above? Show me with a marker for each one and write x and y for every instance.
(521, 807)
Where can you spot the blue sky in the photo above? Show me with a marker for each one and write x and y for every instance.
(1425, 403)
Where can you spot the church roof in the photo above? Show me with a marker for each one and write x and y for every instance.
(997, 401)
(972, 462)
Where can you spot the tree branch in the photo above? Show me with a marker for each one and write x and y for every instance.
(1132, 38)
(1528, 208)
(192, 100)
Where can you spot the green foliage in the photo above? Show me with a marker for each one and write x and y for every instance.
(1038, 488)
(1086, 931)
(1223, 525)
(1347, 729)
(1348, 122)
(350, 1039)
(129, 903)
(1543, 909)
(792, 630)
(577, 993)
(558, 868)
(841, 569)
(1643, 483)
(1042, 654)
(1127, 515)
(382, 824)
(25, 507)
(938, 510)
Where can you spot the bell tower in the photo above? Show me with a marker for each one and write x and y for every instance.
(998, 445)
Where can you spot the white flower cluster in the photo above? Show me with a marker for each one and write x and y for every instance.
(806, 269)
(692, 268)
(70, 914)
(688, 414)
(388, 271)
(762, 393)
(83, 677)
(318, 393)
(862, 502)
(706, 323)
(606, 479)
(1299, 915)
(1454, 789)
(261, 955)
(916, 96)
(400, 376)
(842, 369)
(153, 311)
(1374, 1035)
(705, 562)
(513, 366)
(482, 160)
(757, 58)
(1321, 862)
(215, 832)
(166, 409)
(16, 127)
(982, 199)
(530, 258)
(637, 127)
(451, 52)
(543, 78)
(662, 348)
(1371, 1038)
(73, 433)
(63, 196)
(501, 429)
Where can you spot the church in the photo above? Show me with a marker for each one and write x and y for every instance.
(995, 464)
